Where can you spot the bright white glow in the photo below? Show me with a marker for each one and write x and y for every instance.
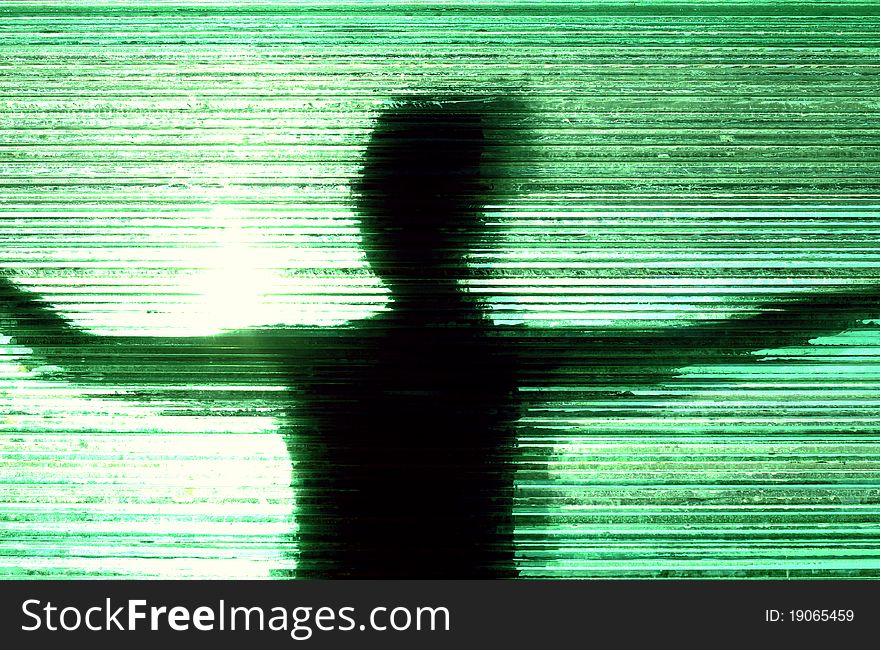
(235, 273)
(217, 270)
(86, 473)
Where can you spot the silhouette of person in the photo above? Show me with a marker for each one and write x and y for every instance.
(409, 416)
(404, 447)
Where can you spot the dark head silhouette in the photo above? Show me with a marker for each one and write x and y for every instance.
(420, 197)
(407, 417)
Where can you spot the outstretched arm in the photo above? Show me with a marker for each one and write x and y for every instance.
(628, 358)
(234, 358)
(34, 324)
(786, 322)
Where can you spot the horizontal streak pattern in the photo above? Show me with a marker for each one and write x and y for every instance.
(177, 169)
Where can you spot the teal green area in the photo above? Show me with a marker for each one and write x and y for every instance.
(185, 168)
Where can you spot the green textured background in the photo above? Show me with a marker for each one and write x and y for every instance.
(184, 167)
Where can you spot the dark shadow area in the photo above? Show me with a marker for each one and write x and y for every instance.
(405, 457)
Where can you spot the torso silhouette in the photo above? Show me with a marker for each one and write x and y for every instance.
(402, 460)
(407, 418)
